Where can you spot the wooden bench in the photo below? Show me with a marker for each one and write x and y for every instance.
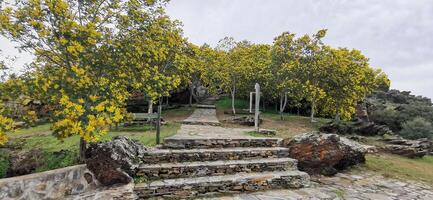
(144, 118)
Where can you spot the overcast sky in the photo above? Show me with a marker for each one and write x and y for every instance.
(397, 35)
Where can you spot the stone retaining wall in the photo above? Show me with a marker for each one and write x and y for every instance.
(188, 155)
(215, 168)
(189, 189)
(195, 143)
(54, 184)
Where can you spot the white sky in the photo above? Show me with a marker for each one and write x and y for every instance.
(397, 35)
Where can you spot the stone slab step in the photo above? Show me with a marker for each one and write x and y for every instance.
(190, 155)
(202, 123)
(241, 182)
(214, 168)
(205, 106)
(195, 143)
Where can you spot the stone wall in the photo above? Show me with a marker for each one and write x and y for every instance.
(54, 184)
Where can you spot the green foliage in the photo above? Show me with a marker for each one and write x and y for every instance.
(63, 158)
(4, 162)
(58, 154)
(394, 109)
(225, 103)
(417, 128)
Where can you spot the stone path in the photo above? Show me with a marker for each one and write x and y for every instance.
(203, 116)
(204, 132)
(349, 185)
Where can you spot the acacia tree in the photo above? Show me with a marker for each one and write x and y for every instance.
(14, 96)
(209, 61)
(349, 79)
(310, 68)
(152, 50)
(6, 123)
(285, 58)
(73, 43)
(229, 72)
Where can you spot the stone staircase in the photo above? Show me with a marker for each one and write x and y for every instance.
(189, 168)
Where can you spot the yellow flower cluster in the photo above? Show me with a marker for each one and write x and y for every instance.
(6, 124)
(30, 117)
(88, 122)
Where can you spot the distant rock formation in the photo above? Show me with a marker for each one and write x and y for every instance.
(409, 148)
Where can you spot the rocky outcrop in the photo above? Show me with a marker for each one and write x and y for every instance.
(320, 153)
(243, 120)
(409, 148)
(358, 127)
(23, 163)
(115, 161)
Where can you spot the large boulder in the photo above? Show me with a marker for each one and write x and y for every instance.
(358, 127)
(115, 161)
(408, 148)
(320, 153)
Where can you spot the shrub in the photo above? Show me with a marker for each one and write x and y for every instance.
(387, 116)
(417, 128)
(4, 163)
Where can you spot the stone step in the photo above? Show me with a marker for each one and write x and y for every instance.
(190, 155)
(195, 143)
(205, 106)
(241, 182)
(214, 168)
(202, 123)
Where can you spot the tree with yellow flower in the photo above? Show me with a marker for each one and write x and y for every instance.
(75, 70)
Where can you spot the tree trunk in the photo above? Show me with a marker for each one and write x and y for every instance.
(150, 108)
(281, 107)
(166, 102)
(233, 100)
(82, 152)
(313, 107)
(337, 116)
(191, 90)
(283, 103)
(158, 125)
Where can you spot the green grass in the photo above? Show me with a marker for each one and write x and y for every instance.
(58, 154)
(4, 162)
(226, 103)
(177, 112)
(39, 129)
(295, 118)
(394, 166)
(339, 193)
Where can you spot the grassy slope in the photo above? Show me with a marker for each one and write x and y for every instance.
(394, 166)
(288, 127)
(57, 154)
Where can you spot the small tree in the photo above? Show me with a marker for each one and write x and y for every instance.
(310, 68)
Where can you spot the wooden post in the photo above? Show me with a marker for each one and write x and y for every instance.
(158, 123)
(257, 105)
(251, 101)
